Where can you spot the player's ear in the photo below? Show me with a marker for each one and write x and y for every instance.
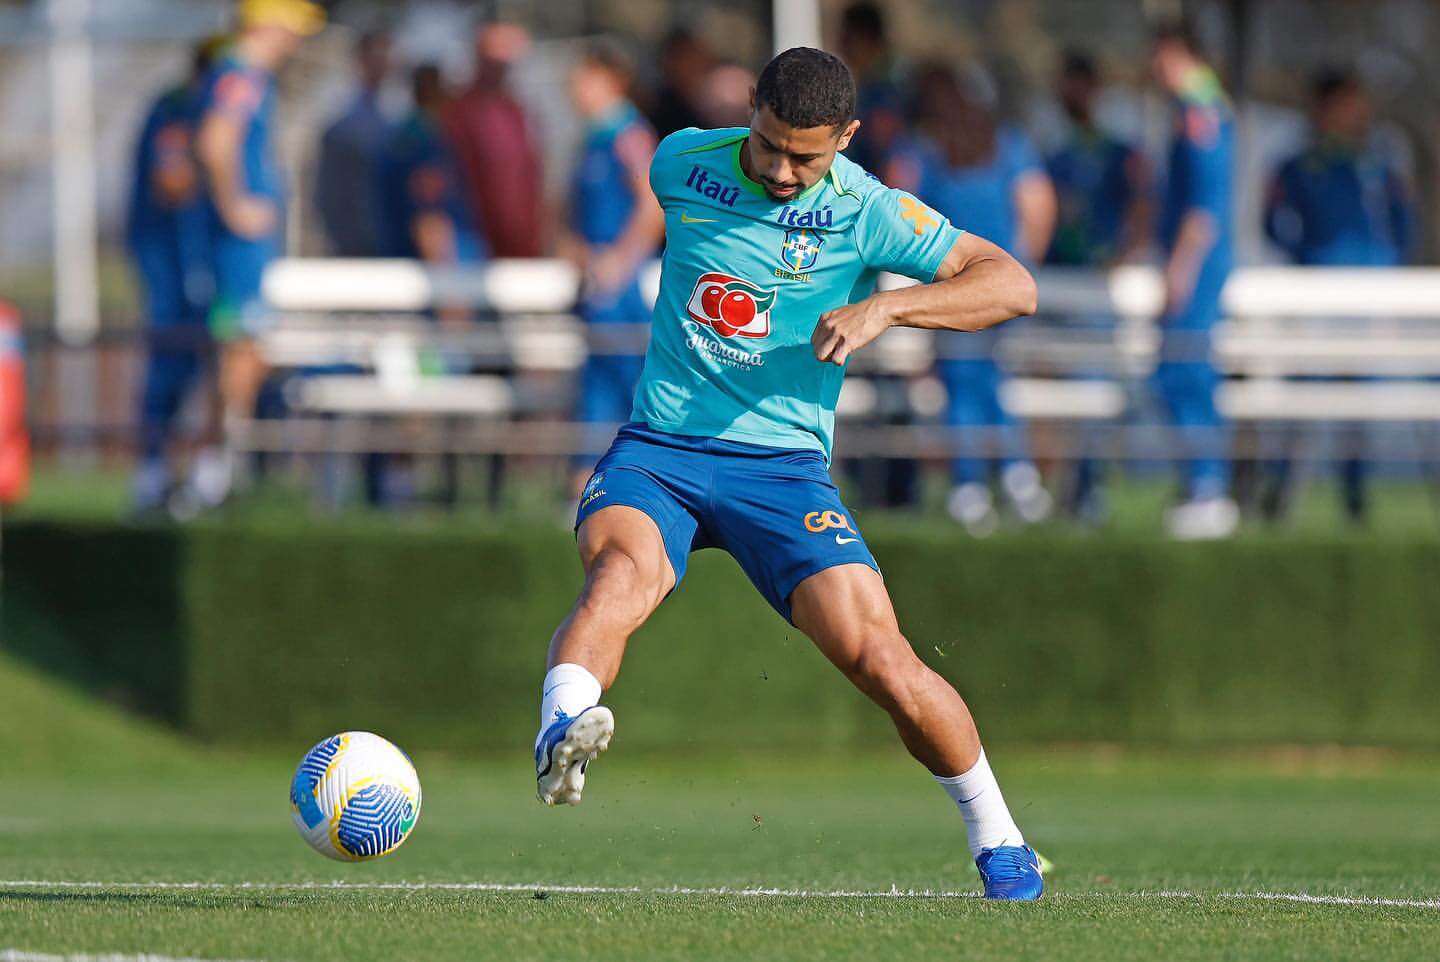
(846, 134)
(752, 98)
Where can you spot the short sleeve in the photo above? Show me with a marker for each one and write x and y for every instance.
(1020, 157)
(635, 146)
(237, 93)
(896, 232)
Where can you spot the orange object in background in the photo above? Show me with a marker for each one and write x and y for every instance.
(14, 442)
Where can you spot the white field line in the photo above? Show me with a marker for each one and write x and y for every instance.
(15, 955)
(1360, 901)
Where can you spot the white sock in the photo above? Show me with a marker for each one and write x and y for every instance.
(567, 690)
(987, 819)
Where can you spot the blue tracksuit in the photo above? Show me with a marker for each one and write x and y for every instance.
(1334, 206)
(1096, 183)
(980, 199)
(1095, 186)
(602, 201)
(345, 176)
(1198, 179)
(170, 244)
(1331, 206)
(416, 174)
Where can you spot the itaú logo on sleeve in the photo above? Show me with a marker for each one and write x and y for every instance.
(731, 306)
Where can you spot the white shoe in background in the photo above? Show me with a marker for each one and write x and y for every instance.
(1026, 493)
(1202, 519)
(211, 476)
(973, 507)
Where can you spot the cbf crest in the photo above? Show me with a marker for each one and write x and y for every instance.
(801, 248)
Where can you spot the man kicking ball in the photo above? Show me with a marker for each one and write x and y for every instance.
(773, 245)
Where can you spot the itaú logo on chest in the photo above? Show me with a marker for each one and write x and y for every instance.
(732, 306)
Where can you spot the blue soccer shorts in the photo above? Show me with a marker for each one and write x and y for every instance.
(775, 511)
(240, 310)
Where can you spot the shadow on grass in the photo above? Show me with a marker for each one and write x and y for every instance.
(159, 900)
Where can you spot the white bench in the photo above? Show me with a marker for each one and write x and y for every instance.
(1283, 324)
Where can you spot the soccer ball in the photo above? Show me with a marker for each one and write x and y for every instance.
(355, 797)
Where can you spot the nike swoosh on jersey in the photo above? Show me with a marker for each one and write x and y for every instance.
(840, 540)
(687, 219)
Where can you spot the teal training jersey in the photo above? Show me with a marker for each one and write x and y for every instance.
(745, 278)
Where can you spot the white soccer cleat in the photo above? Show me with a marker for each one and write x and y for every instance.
(564, 751)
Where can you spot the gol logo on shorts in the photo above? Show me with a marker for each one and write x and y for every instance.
(824, 520)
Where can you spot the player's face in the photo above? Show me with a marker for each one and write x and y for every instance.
(784, 159)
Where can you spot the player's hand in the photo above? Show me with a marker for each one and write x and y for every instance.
(251, 217)
(843, 331)
(607, 271)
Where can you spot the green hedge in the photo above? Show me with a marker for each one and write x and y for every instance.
(438, 639)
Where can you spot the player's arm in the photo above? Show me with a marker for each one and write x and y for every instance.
(1199, 228)
(1037, 210)
(219, 146)
(976, 286)
(1197, 235)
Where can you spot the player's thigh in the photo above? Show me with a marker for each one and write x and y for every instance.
(632, 534)
(846, 611)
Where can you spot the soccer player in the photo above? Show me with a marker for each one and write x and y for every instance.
(1100, 181)
(965, 163)
(615, 226)
(423, 212)
(774, 244)
(1103, 218)
(246, 198)
(167, 234)
(1337, 203)
(1195, 231)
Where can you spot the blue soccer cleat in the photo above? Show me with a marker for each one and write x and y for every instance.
(1011, 873)
(565, 749)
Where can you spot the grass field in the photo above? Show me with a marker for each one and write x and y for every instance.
(120, 840)
(1200, 857)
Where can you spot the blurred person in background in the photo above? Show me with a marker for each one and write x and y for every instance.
(1101, 182)
(245, 190)
(1195, 234)
(881, 101)
(615, 226)
(725, 96)
(423, 216)
(167, 233)
(350, 149)
(881, 92)
(1338, 203)
(1102, 189)
(685, 63)
(987, 178)
(423, 213)
(497, 149)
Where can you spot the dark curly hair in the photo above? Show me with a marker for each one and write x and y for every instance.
(805, 87)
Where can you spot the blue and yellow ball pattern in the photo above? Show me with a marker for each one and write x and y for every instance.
(355, 796)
